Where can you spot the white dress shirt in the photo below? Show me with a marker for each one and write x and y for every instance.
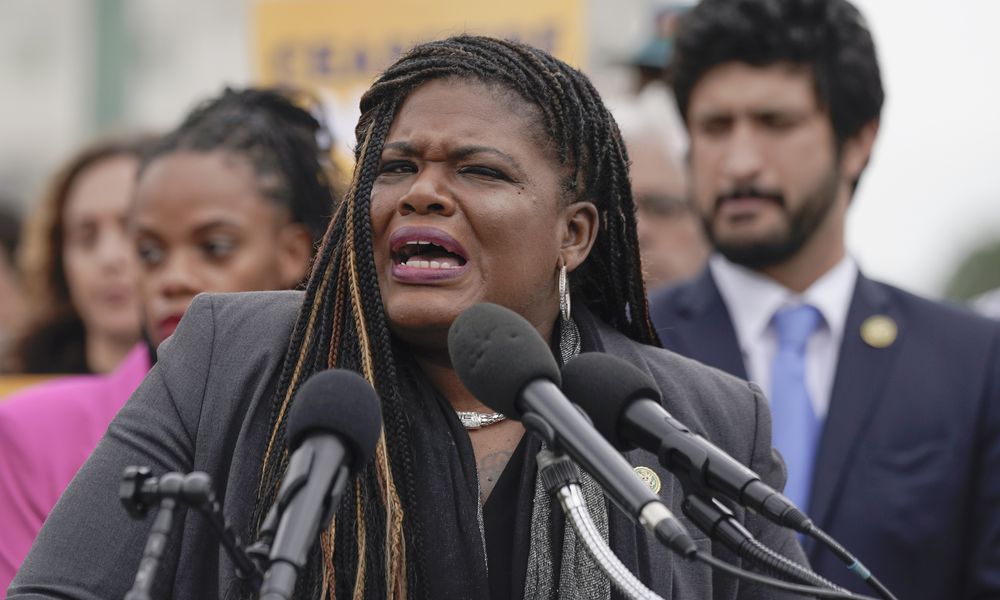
(752, 299)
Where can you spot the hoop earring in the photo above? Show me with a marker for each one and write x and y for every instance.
(569, 333)
(564, 299)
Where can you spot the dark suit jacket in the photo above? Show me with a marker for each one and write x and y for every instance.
(907, 474)
(205, 406)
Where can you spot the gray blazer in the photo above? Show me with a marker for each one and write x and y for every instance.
(206, 406)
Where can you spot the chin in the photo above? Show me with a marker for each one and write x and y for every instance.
(422, 323)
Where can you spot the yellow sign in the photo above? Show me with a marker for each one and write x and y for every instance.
(336, 48)
(341, 45)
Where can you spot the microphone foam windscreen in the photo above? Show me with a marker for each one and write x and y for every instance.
(496, 352)
(603, 386)
(340, 402)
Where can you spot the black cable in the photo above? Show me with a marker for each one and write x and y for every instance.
(853, 564)
(715, 519)
(806, 590)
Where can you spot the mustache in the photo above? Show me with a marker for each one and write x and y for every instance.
(750, 192)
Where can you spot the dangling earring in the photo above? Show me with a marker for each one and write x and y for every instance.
(569, 334)
(564, 299)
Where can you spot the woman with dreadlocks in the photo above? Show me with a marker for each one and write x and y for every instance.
(487, 171)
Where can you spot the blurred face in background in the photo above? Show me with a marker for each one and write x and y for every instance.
(98, 260)
(671, 240)
(200, 223)
(764, 162)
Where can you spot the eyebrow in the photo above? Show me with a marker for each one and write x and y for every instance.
(200, 230)
(408, 149)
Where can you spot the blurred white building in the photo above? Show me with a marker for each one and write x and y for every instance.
(72, 69)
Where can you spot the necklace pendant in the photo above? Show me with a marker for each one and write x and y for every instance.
(477, 420)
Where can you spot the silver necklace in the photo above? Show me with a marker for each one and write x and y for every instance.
(477, 420)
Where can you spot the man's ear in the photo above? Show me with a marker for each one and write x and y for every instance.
(295, 249)
(857, 151)
(581, 223)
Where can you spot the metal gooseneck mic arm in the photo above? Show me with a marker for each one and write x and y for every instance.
(626, 407)
(561, 477)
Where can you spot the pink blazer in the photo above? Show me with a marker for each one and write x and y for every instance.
(46, 433)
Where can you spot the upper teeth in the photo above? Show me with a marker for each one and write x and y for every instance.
(430, 264)
(413, 261)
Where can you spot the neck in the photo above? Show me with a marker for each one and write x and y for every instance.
(818, 255)
(436, 365)
(105, 352)
(438, 369)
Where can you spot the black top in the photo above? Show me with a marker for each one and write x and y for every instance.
(507, 521)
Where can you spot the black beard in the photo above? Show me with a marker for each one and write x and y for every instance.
(779, 247)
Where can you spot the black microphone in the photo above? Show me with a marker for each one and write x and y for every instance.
(505, 363)
(625, 406)
(333, 426)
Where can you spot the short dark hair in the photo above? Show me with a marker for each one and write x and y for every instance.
(287, 145)
(830, 37)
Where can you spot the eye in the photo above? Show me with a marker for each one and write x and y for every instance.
(779, 121)
(218, 247)
(715, 126)
(82, 236)
(397, 167)
(482, 171)
(150, 253)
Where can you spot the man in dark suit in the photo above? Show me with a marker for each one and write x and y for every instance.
(886, 406)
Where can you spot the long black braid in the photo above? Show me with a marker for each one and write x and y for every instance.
(373, 547)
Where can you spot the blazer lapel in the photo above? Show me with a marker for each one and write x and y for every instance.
(700, 327)
(857, 391)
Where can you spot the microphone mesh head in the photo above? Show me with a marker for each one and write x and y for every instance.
(496, 353)
(340, 402)
(604, 385)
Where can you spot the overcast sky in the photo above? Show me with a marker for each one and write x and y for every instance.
(932, 191)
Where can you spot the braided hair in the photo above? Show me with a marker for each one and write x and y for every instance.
(287, 146)
(372, 549)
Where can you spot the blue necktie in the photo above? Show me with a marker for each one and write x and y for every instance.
(796, 428)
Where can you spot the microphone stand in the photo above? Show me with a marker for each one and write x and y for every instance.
(159, 533)
(561, 478)
(139, 490)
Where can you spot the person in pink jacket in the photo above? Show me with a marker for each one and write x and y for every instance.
(233, 200)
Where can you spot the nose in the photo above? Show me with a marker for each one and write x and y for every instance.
(177, 278)
(743, 159)
(114, 249)
(428, 194)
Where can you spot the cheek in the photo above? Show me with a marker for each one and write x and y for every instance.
(78, 268)
(704, 176)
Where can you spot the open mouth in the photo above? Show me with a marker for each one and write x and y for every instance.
(426, 249)
(424, 254)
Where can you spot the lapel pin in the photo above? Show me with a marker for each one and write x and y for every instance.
(879, 331)
(649, 477)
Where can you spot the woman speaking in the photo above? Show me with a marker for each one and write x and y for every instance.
(487, 171)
